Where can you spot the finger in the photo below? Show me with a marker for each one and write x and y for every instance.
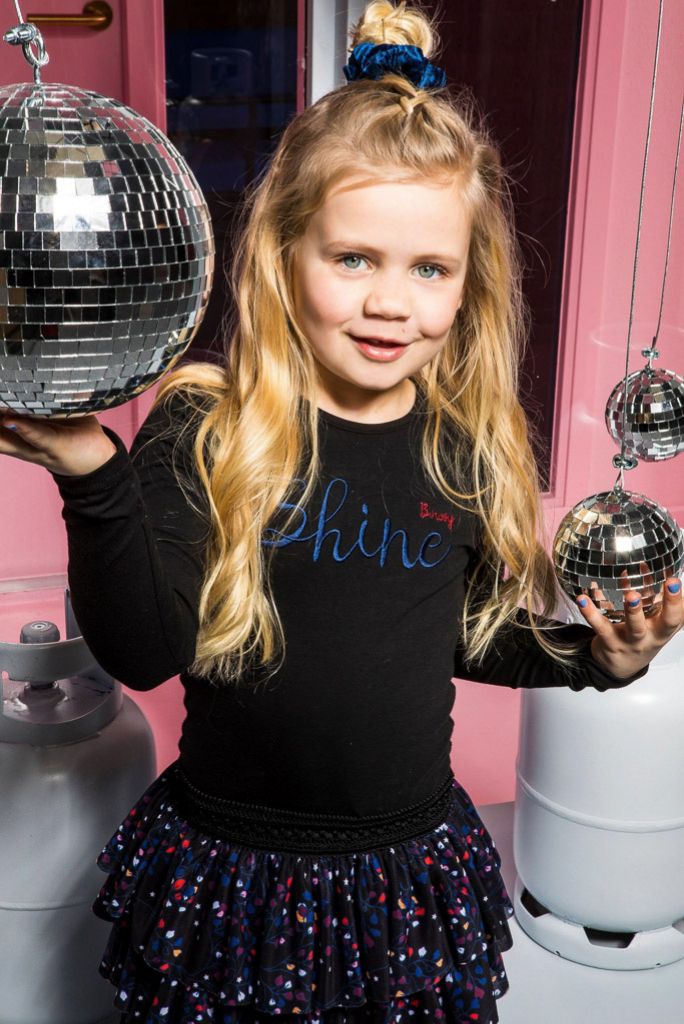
(671, 615)
(29, 439)
(628, 582)
(12, 444)
(595, 618)
(635, 620)
(12, 427)
(24, 430)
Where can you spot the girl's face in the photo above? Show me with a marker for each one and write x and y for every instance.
(383, 260)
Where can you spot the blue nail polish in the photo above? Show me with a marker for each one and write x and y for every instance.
(11, 426)
(633, 604)
(582, 601)
(674, 587)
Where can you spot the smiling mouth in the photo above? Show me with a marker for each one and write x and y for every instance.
(379, 342)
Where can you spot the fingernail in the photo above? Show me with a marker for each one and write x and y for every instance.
(582, 601)
(10, 426)
(674, 587)
(633, 604)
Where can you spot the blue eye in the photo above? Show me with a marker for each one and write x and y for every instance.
(436, 271)
(350, 256)
(431, 266)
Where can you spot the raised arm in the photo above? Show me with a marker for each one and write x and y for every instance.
(136, 549)
(515, 659)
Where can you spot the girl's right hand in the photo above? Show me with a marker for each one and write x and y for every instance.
(72, 447)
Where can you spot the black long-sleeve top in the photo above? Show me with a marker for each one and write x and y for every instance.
(369, 582)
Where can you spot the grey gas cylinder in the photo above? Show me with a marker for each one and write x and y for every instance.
(75, 755)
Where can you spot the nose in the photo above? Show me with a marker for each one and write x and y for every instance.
(387, 296)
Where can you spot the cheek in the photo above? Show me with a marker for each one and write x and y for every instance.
(438, 316)
(324, 300)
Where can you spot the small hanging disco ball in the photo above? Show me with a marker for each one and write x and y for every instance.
(654, 414)
(617, 541)
(106, 251)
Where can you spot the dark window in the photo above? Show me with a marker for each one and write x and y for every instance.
(231, 87)
(520, 61)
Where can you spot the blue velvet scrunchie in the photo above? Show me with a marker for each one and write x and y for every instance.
(371, 60)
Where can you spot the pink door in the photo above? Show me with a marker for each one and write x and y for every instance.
(32, 541)
(126, 61)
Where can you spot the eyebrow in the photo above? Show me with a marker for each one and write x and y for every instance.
(363, 247)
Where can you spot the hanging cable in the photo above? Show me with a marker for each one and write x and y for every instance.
(622, 459)
(669, 229)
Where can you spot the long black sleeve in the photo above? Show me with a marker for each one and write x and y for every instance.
(368, 580)
(136, 554)
(516, 659)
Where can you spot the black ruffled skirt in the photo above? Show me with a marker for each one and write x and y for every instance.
(207, 929)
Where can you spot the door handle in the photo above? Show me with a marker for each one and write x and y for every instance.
(97, 15)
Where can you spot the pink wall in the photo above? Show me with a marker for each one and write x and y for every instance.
(613, 102)
(32, 541)
(613, 99)
(126, 62)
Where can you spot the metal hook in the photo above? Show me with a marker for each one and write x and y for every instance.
(622, 462)
(26, 36)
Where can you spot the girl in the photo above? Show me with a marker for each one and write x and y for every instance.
(313, 535)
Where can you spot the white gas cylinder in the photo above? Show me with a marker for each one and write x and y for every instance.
(75, 755)
(599, 818)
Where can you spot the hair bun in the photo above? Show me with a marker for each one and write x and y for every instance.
(382, 22)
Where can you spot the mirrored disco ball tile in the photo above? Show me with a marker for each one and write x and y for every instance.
(649, 412)
(106, 251)
(609, 534)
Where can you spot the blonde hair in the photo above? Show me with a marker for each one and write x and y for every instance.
(257, 412)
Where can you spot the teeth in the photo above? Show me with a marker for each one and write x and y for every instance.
(378, 344)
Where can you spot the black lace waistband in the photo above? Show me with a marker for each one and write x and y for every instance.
(278, 829)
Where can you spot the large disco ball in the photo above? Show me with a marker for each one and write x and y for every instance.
(617, 541)
(106, 251)
(653, 406)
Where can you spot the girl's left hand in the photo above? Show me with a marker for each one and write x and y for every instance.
(624, 648)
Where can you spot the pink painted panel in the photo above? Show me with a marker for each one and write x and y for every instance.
(599, 277)
(610, 132)
(144, 78)
(78, 56)
(127, 62)
(32, 541)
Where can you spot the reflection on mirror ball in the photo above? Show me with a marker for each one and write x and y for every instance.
(609, 534)
(106, 251)
(652, 405)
